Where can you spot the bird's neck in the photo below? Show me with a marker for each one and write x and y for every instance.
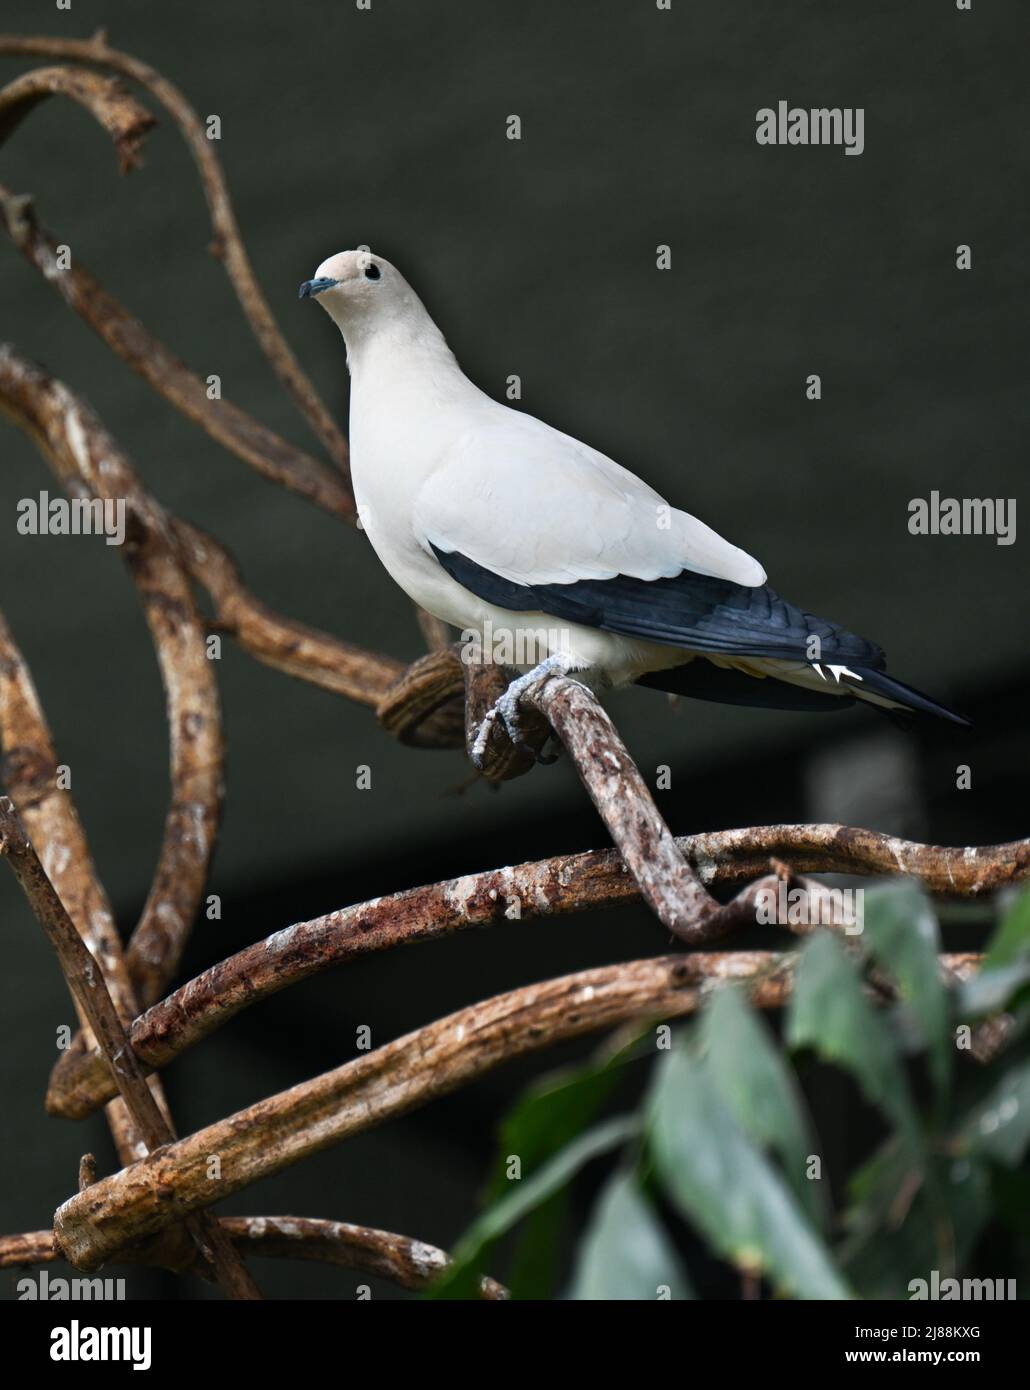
(402, 347)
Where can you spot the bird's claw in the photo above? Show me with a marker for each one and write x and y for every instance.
(506, 708)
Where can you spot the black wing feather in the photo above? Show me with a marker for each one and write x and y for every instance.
(688, 610)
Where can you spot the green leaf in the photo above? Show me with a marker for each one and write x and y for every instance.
(461, 1279)
(549, 1115)
(830, 1014)
(904, 1221)
(751, 1076)
(998, 1127)
(999, 984)
(552, 1111)
(625, 1253)
(900, 929)
(993, 991)
(727, 1188)
(1011, 940)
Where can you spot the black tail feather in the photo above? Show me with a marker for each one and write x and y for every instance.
(882, 684)
(700, 680)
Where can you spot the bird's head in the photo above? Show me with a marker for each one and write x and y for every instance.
(370, 302)
(355, 285)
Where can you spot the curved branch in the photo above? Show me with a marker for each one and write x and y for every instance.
(728, 856)
(423, 706)
(282, 643)
(28, 1248)
(28, 771)
(228, 244)
(549, 887)
(277, 1132)
(259, 447)
(108, 102)
(667, 881)
(89, 989)
(570, 883)
(408, 1263)
(90, 464)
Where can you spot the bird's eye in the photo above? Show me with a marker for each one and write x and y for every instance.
(372, 272)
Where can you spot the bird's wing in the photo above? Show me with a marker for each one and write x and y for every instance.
(532, 521)
(535, 506)
(686, 610)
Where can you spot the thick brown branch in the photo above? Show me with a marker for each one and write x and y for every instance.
(667, 881)
(420, 704)
(274, 1133)
(227, 244)
(90, 464)
(86, 981)
(280, 642)
(423, 706)
(435, 632)
(549, 887)
(408, 1263)
(29, 773)
(117, 110)
(28, 1248)
(411, 1264)
(84, 976)
(728, 856)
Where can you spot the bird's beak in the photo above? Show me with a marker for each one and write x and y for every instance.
(312, 287)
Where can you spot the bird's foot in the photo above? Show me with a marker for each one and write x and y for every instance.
(506, 709)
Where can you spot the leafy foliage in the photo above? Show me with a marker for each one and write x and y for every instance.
(723, 1152)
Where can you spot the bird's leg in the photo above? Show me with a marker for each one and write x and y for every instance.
(506, 708)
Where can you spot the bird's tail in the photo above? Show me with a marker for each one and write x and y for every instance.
(878, 684)
(701, 680)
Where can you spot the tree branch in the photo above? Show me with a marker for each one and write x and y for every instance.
(549, 887)
(117, 110)
(89, 463)
(410, 1264)
(279, 642)
(278, 1131)
(282, 1129)
(28, 1248)
(86, 981)
(228, 244)
(666, 880)
(209, 1001)
(28, 770)
(259, 447)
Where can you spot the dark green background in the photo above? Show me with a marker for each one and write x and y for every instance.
(387, 127)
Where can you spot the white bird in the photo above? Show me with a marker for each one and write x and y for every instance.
(500, 525)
